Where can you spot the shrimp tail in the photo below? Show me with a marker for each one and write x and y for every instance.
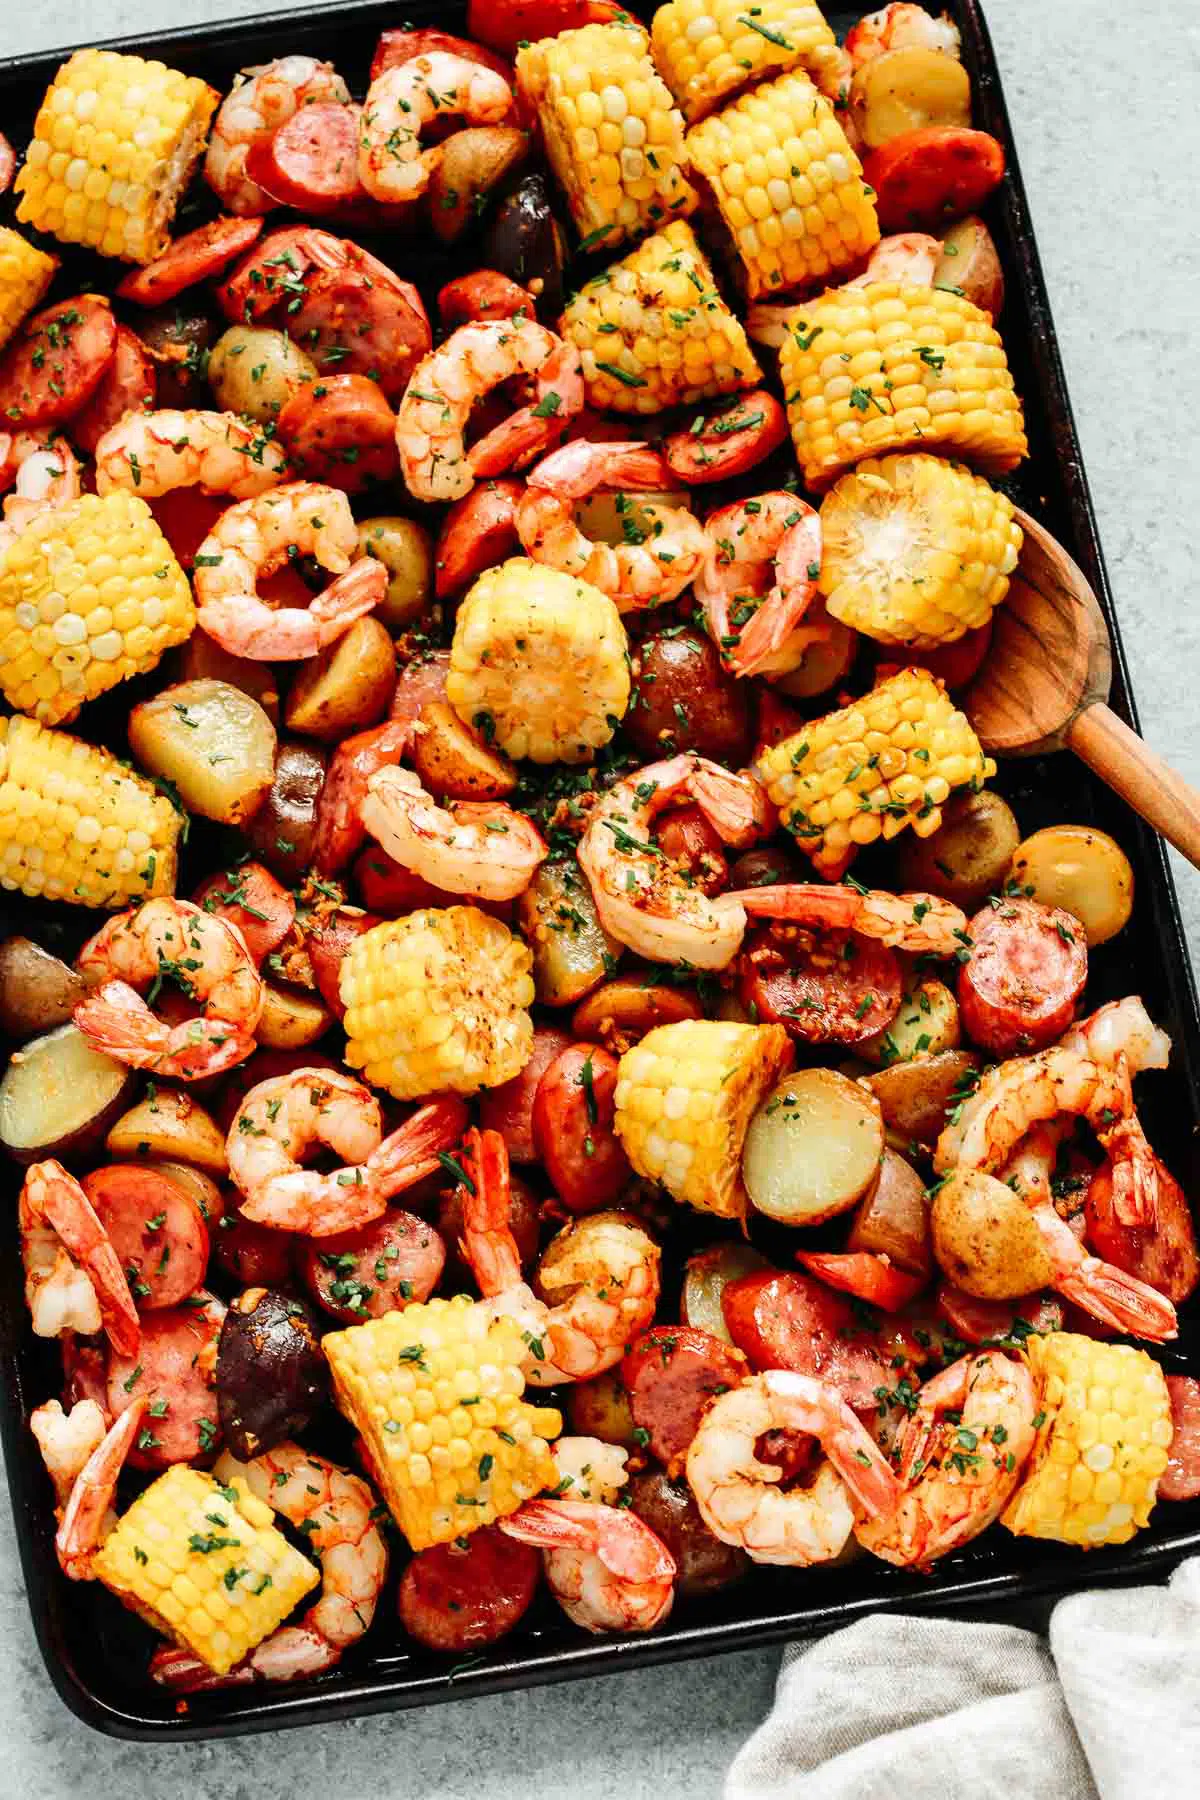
(339, 830)
(66, 1208)
(414, 1151)
(117, 1021)
(1134, 1175)
(78, 1534)
(1120, 1300)
(861, 1464)
(487, 1243)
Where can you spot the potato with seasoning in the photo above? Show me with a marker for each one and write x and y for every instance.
(406, 551)
(682, 699)
(255, 371)
(214, 742)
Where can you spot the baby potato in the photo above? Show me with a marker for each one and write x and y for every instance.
(203, 659)
(283, 829)
(823, 663)
(683, 699)
(893, 1220)
(906, 90)
(406, 551)
(969, 854)
(572, 952)
(600, 1408)
(215, 743)
(473, 163)
(170, 1124)
(1081, 869)
(291, 1021)
(926, 1024)
(346, 687)
(813, 1147)
(454, 762)
(915, 1095)
(986, 1239)
(971, 263)
(612, 518)
(256, 371)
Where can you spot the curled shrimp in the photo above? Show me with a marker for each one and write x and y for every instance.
(66, 1441)
(758, 623)
(643, 899)
(672, 544)
(73, 1276)
(205, 955)
(87, 1515)
(391, 163)
(253, 539)
(738, 1495)
(901, 26)
(920, 923)
(605, 1567)
(962, 1456)
(911, 256)
(47, 476)
(260, 101)
(482, 848)
(599, 1278)
(432, 417)
(281, 1120)
(152, 453)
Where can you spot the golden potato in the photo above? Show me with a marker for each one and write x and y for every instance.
(986, 1239)
(406, 551)
(813, 1147)
(169, 1123)
(893, 1220)
(215, 743)
(915, 1095)
(454, 762)
(572, 953)
(926, 1023)
(345, 688)
(1081, 869)
(906, 90)
(971, 263)
(203, 659)
(823, 663)
(256, 371)
(291, 1021)
(473, 162)
(967, 857)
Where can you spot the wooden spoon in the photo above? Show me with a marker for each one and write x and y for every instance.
(1045, 682)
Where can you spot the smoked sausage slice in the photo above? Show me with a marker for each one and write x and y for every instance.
(1027, 968)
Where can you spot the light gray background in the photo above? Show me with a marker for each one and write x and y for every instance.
(1104, 97)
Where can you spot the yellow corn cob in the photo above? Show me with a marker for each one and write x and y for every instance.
(540, 662)
(90, 594)
(76, 825)
(436, 1002)
(205, 1565)
(25, 274)
(684, 1099)
(707, 50)
(891, 366)
(612, 134)
(789, 186)
(916, 551)
(883, 762)
(113, 149)
(436, 1391)
(654, 332)
(1105, 1429)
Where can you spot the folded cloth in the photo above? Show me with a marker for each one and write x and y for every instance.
(899, 1708)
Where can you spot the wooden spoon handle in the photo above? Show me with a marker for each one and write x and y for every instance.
(1129, 766)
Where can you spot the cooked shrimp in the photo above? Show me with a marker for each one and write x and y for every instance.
(910, 256)
(87, 1513)
(738, 1495)
(481, 848)
(260, 101)
(642, 898)
(152, 453)
(770, 322)
(253, 539)
(283, 1119)
(667, 551)
(589, 1469)
(756, 623)
(901, 26)
(73, 1277)
(920, 923)
(962, 1454)
(47, 476)
(605, 1266)
(204, 955)
(66, 1441)
(432, 417)
(605, 1567)
(401, 102)
(339, 827)
(1100, 1288)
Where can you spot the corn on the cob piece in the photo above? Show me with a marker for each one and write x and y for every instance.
(90, 594)
(25, 274)
(1104, 1433)
(205, 1565)
(886, 761)
(788, 185)
(540, 661)
(436, 1391)
(612, 132)
(654, 332)
(114, 145)
(916, 550)
(684, 1099)
(76, 825)
(891, 366)
(708, 50)
(437, 1003)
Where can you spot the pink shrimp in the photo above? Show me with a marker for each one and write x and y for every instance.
(81, 1528)
(920, 923)
(605, 1567)
(758, 623)
(73, 1277)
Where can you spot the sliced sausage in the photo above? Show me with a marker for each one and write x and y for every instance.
(174, 1369)
(185, 517)
(1164, 1254)
(672, 1373)
(56, 361)
(936, 173)
(249, 897)
(997, 1321)
(357, 1275)
(129, 384)
(508, 1108)
(328, 945)
(389, 889)
(311, 162)
(479, 531)
(829, 987)
(1027, 968)
(255, 1255)
(361, 319)
(276, 272)
(85, 1370)
(870, 1277)
(786, 1321)
(156, 1229)
(483, 294)
(459, 1596)
(341, 431)
(195, 257)
(1180, 1479)
(692, 844)
(730, 442)
(573, 1130)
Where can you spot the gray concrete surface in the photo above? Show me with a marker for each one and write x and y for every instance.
(1104, 97)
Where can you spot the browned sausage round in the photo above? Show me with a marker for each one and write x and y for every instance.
(156, 1230)
(56, 361)
(743, 433)
(357, 1275)
(508, 1108)
(1164, 1254)
(785, 1321)
(276, 272)
(672, 1373)
(175, 1369)
(311, 162)
(1027, 968)
(573, 1132)
(829, 987)
(461, 1595)
(329, 945)
(1180, 1479)
(129, 382)
(195, 257)
(254, 1255)
(361, 319)
(340, 430)
(483, 294)
(478, 532)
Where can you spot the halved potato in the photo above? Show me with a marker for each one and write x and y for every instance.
(37, 991)
(986, 1239)
(824, 662)
(169, 1123)
(406, 551)
(926, 1024)
(893, 1220)
(599, 1408)
(632, 1005)
(618, 518)
(291, 1021)
(813, 1147)
(214, 742)
(906, 90)
(473, 162)
(196, 1185)
(255, 370)
(454, 762)
(346, 687)
(203, 659)
(968, 856)
(914, 1096)
(572, 953)
(58, 1096)
(708, 1275)
(971, 263)
(1081, 869)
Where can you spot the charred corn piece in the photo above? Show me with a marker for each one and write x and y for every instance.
(114, 146)
(436, 1391)
(540, 662)
(437, 1002)
(25, 274)
(90, 594)
(1104, 1431)
(684, 1099)
(709, 50)
(868, 770)
(612, 133)
(788, 185)
(916, 551)
(205, 1565)
(76, 825)
(653, 330)
(895, 367)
